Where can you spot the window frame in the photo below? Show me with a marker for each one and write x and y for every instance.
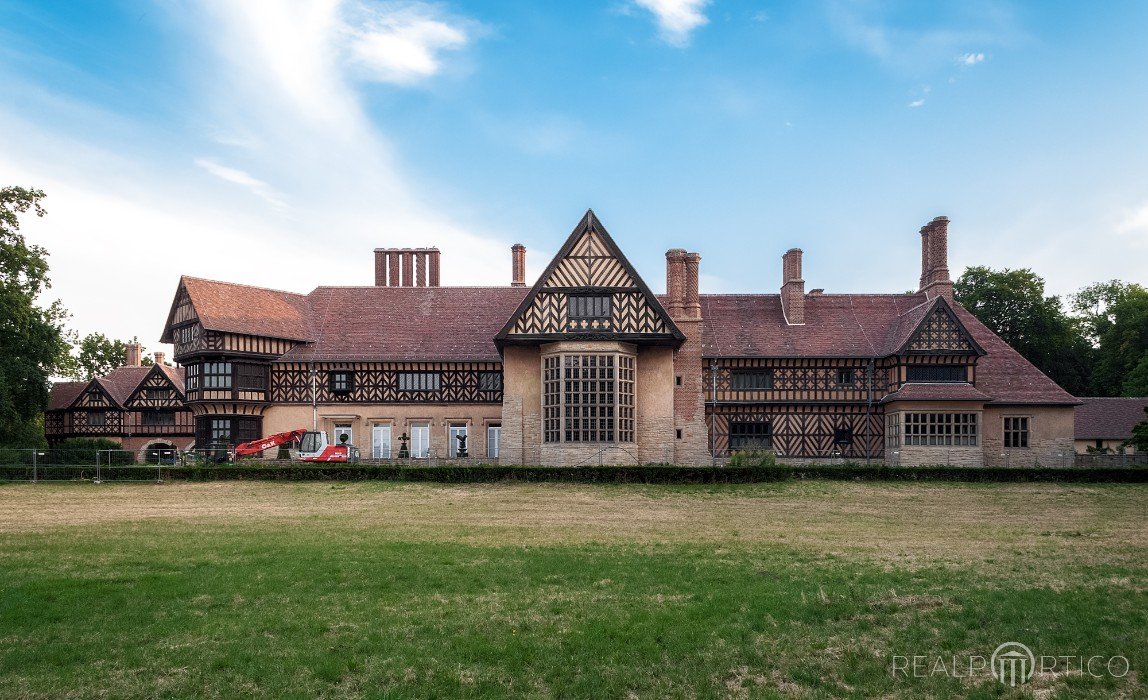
(941, 429)
(589, 307)
(495, 430)
(589, 397)
(217, 375)
(738, 377)
(452, 430)
(846, 376)
(417, 378)
(341, 381)
(1016, 429)
(742, 434)
(959, 372)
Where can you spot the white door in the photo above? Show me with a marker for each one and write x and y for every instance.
(381, 442)
(420, 441)
(493, 435)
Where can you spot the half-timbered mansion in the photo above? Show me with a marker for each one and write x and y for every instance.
(141, 407)
(588, 366)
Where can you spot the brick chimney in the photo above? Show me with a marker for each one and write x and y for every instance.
(406, 267)
(792, 288)
(935, 279)
(675, 282)
(160, 357)
(517, 265)
(133, 352)
(691, 303)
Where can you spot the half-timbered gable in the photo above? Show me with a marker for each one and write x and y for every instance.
(157, 390)
(590, 292)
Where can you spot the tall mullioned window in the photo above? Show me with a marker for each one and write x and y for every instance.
(588, 398)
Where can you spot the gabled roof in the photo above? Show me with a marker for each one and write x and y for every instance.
(1109, 418)
(1005, 375)
(171, 374)
(407, 324)
(240, 308)
(64, 394)
(917, 321)
(562, 273)
(122, 381)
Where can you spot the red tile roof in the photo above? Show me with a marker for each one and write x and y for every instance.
(239, 308)
(1005, 375)
(407, 324)
(837, 325)
(937, 391)
(122, 381)
(63, 394)
(1105, 418)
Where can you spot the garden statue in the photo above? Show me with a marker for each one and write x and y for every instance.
(404, 453)
(461, 437)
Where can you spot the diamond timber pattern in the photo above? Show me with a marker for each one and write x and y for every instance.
(940, 331)
(155, 391)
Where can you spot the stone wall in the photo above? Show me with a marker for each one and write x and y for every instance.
(1049, 442)
(521, 406)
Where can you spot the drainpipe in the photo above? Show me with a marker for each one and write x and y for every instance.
(713, 413)
(869, 411)
(314, 397)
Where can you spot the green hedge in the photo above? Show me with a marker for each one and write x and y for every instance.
(645, 474)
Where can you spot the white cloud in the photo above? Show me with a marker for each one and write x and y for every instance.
(970, 59)
(1134, 222)
(677, 19)
(257, 187)
(400, 45)
(917, 103)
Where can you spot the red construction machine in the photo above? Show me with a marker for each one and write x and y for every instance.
(313, 446)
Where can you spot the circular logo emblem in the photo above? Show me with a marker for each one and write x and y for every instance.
(1013, 663)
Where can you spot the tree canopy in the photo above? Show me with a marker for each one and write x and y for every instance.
(97, 355)
(1115, 318)
(33, 342)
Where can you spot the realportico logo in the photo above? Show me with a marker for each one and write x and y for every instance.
(1013, 663)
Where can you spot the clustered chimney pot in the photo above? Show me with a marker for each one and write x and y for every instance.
(406, 267)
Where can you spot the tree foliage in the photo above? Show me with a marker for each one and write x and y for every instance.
(1115, 318)
(1012, 303)
(96, 355)
(1140, 434)
(33, 341)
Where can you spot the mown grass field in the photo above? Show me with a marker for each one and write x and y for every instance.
(796, 589)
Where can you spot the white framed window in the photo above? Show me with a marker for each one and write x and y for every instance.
(947, 429)
(453, 433)
(380, 442)
(420, 441)
(342, 429)
(493, 437)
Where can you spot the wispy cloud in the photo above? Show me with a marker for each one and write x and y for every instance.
(970, 59)
(917, 102)
(677, 19)
(233, 175)
(400, 45)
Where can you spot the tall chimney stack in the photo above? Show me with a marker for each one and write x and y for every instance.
(675, 281)
(160, 357)
(691, 302)
(792, 288)
(434, 267)
(517, 265)
(935, 280)
(380, 267)
(133, 352)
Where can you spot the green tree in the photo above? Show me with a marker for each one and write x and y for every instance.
(97, 355)
(1115, 318)
(1012, 303)
(1140, 434)
(33, 342)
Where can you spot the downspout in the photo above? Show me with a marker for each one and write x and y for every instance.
(314, 397)
(713, 412)
(869, 411)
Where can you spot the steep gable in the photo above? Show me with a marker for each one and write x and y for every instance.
(588, 270)
(95, 396)
(941, 332)
(156, 390)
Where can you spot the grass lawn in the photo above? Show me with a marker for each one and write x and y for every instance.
(797, 589)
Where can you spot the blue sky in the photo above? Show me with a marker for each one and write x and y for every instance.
(277, 143)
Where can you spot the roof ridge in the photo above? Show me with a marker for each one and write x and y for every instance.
(240, 284)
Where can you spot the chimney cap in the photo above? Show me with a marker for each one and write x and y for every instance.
(792, 250)
(518, 246)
